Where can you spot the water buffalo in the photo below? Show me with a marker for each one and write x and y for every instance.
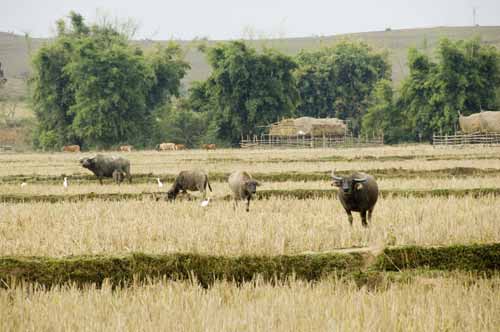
(359, 193)
(126, 148)
(71, 148)
(189, 180)
(243, 186)
(165, 147)
(209, 146)
(104, 166)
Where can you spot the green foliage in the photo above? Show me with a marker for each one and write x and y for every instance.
(464, 78)
(481, 257)
(177, 123)
(382, 116)
(245, 91)
(337, 81)
(91, 87)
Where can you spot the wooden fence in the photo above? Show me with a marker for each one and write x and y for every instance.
(466, 139)
(268, 141)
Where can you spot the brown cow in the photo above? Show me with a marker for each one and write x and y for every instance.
(165, 147)
(180, 147)
(71, 148)
(208, 146)
(126, 148)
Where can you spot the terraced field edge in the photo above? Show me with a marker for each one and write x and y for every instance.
(386, 173)
(262, 194)
(360, 264)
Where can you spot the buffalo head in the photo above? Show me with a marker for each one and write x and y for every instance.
(348, 184)
(87, 162)
(251, 186)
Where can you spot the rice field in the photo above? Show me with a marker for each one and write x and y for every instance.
(458, 303)
(274, 226)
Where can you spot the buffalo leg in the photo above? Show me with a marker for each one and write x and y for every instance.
(349, 216)
(248, 203)
(370, 215)
(363, 218)
(100, 180)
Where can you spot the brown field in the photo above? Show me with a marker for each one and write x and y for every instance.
(419, 157)
(274, 226)
(458, 301)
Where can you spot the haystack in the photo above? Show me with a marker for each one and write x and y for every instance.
(490, 122)
(308, 126)
(484, 122)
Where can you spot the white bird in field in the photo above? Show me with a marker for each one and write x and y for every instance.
(160, 184)
(65, 183)
(24, 184)
(205, 202)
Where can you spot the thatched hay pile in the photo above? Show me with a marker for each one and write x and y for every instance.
(483, 122)
(490, 122)
(308, 126)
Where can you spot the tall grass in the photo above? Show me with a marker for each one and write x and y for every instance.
(461, 303)
(273, 226)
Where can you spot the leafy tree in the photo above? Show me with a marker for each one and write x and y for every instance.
(245, 91)
(464, 78)
(176, 122)
(337, 81)
(92, 87)
(383, 116)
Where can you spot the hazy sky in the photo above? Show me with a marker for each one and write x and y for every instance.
(229, 19)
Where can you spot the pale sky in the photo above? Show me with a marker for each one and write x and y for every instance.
(233, 19)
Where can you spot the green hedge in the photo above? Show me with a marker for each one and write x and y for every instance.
(480, 257)
(364, 266)
(204, 268)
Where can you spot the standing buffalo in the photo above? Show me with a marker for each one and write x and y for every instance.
(189, 180)
(71, 148)
(359, 193)
(104, 166)
(126, 148)
(243, 186)
(208, 146)
(165, 147)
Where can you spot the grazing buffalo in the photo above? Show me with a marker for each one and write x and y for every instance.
(104, 166)
(165, 147)
(189, 180)
(180, 147)
(243, 186)
(209, 146)
(71, 148)
(359, 193)
(126, 148)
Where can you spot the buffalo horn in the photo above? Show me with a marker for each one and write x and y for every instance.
(360, 180)
(337, 178)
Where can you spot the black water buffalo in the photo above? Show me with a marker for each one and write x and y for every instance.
(104, 167)
(243, 186)
(189, 180)
(359, 193)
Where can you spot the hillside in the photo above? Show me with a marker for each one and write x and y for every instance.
(14, 49)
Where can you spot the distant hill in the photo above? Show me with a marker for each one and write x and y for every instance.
(15, 49)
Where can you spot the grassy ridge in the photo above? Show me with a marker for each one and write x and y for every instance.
(206, 269)
(387, 173)
(262, 194)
